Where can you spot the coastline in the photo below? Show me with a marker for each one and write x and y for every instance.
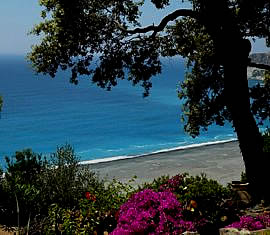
(219, 160)
(124, 157)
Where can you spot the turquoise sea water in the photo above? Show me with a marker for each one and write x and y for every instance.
(42, 113)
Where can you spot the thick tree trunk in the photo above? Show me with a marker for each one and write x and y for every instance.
(232, 51)
(238, 103)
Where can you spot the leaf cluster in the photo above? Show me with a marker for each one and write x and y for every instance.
(203, 89)
(31, 183)
(95, 215)
(105, 42)
(75, 34)
(21, 187)
(261, 99)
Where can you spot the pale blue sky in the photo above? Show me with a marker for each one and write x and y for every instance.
(16, 19)
(18, 16)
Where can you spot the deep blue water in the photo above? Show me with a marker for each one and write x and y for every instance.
(42, 113)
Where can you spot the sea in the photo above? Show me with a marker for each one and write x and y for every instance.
(42, 114)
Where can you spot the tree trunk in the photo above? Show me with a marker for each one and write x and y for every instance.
(233, 51)
(238, 103)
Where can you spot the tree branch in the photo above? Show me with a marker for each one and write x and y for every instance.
(259, 66)
(157, 28)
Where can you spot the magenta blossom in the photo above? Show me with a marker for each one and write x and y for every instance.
(149, 212)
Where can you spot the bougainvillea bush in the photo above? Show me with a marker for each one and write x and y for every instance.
(252, 223)
(200, 196)
(151, 212)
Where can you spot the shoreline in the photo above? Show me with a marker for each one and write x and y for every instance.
(221, 161)
(125, 157)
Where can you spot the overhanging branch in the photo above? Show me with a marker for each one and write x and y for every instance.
(158, 28)
(259, 66)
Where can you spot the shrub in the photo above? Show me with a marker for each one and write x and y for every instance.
(33, 183)
(252, 223)
(20, 189)
(95, 212)
(264, 219)
(150, 212)
(201, 198)
(25, 165)
(60, 180)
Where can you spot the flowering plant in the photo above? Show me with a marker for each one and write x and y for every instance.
(150, 212)
(173, 184)
(252, 223)
(265, 219)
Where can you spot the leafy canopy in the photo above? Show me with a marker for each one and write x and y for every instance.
(105, 41)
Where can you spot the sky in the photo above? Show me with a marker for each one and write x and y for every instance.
(17, 17)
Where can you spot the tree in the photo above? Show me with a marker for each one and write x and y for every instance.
(213, 36)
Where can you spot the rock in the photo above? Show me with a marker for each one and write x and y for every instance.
(244, 197)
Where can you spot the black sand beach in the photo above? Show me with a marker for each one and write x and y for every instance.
(222, 161)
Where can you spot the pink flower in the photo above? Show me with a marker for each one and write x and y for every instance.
(150, 212)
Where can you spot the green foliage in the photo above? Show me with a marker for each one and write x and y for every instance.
(20, 187)
(208, 194)
(155, 184)
(266, 138)
(202, 198)
(32, 183)
(74, 34)
(206, 198)
(25, 165)
(203, 89)
(96, 212)
(58, 194)
(59, 180)
(70, 30)
(261, 98)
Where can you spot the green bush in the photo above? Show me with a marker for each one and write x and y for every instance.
(32, 184)
(20, 188)
(96, 212)
(46, 195)
(208, 194)
(61, 179)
